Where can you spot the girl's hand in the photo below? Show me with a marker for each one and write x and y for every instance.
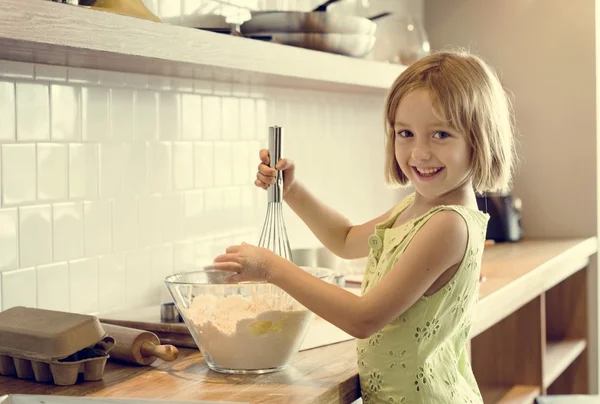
(266, 175)
(248, 262)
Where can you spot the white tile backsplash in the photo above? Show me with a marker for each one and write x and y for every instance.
(18, 173)
(83, 171)
(51, 171)
(19, 288)
(94, 104)
(111, 181)
(83, 285)
(96, 228)
(35, 235)
(111, 169)
(9, 239)
(7, 111)
(65, 112)
(192, 116)
(53, 286)
(183, 165)
(33, 111)
(67, 230)
(146, 123)
(121, 114)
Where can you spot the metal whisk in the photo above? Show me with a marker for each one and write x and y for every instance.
(274, 235)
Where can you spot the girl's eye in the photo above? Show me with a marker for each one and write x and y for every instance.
(404, 133)
(441, 135)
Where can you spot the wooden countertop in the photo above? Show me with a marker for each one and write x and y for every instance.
(515, 273)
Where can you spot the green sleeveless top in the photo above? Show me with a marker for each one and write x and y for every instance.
(421, 356)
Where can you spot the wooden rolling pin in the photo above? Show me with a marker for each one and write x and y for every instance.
(138, 346)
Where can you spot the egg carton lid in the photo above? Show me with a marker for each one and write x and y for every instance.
(46, 335)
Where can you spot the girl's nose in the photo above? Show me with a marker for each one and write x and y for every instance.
(421, 153)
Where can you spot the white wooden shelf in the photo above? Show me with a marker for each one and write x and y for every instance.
(52, 33)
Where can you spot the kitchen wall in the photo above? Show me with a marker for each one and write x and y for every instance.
(547, 56)
(112, 181)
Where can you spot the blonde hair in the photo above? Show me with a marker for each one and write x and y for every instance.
(468, 93)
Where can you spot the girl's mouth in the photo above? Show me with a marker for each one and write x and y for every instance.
(427, 173)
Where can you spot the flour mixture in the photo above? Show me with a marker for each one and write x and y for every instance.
(256, 333)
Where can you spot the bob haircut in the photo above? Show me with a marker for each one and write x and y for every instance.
(468, 94)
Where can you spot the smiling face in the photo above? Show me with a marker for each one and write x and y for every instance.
(433, 155)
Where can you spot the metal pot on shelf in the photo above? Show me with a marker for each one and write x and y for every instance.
(317, 30)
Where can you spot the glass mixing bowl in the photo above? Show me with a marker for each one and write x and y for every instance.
(247, 327)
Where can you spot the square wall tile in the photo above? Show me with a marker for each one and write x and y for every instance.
(241, 164)
(7, 111)
(213, 208)
(249, 213)
(222, 87)
(111, 78)
(191, 116)
(33, 112)
(183, 165)
(150, 223)
(68, 231)
(136, 80)
(121, 114)
(94, 106)
(204, 164)
(262, 127)
(134, 173)
(232, 206)
(50, 72)
(182, 85)
(231, 118)
(9, 68)
(111, 169)
(53, 287)
(35, 235)
(124, 224)
(194, 213)
(19, 288)
(247, 119)
(83, 171)
(160, 167)
(51, 171)
(9, 239)
(83, 286)
(146, 113)
(96, 228)
(203, 86)
(172, 217)
(169, 116)
(138, 276)
(112, 280)
(65, 112)
(211, 112)
(83, 76)
(184, 257)
(161, 262)
(18, 173)
(223, 164)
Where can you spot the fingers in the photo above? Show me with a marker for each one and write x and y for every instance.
(264, 156)
(228, 266)
(228, 257)
(284, 164)
(232, 249)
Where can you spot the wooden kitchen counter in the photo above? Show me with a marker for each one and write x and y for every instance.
(515, 273)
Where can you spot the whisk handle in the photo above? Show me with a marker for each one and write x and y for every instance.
(276, 190)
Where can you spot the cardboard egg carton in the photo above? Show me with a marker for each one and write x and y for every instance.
(52, 346)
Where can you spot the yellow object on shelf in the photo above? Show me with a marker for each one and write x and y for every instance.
(131, 8)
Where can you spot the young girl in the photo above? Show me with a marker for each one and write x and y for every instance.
(449, 135)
